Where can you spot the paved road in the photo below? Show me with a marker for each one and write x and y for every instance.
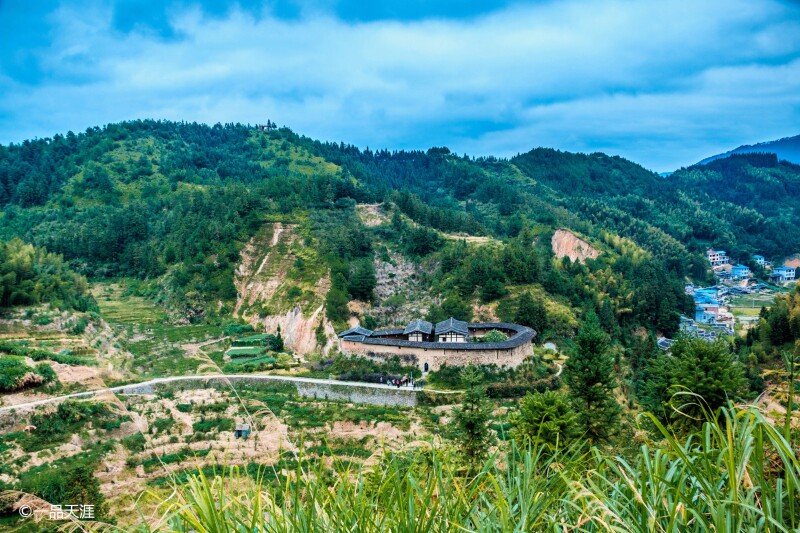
(265, 377)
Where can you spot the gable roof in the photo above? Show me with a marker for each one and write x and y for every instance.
(420, 325)
(357, 330)
(452, 325)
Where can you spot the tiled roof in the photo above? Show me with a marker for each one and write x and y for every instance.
(519, 336)
(357, 330)
(422, 326)
(390, 331)
(451, 324)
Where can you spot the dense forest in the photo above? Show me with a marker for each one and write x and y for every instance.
(174, 202)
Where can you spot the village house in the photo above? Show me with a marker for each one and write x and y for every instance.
(783, 273)
(760, 260)
(705, 314)
(453, 342)
(740, 272)
(717, 257)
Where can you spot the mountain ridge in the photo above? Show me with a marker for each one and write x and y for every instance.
(786, 148)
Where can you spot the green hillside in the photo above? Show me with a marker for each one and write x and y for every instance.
(230, 249)
(176, 203)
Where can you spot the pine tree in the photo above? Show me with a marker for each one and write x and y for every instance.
(589, 374)
(707, 369)
(531, 312)
(470, 429)
(546, 419)
(363, 281)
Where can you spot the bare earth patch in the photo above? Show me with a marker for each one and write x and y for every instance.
(567, 244)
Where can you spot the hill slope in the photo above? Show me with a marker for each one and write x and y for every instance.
(190, 208)
(787, 149)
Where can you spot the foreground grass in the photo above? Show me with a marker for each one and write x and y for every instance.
(736, 473)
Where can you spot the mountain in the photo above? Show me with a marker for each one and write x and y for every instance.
(278, 229)
(787, 149)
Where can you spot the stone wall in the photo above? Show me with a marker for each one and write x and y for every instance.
(352, 392)
(435, 358)
(401, 397)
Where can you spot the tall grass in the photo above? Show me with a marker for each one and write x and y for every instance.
(736, 473)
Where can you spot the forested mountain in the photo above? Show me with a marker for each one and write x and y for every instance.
(176, 202)
(787, 149)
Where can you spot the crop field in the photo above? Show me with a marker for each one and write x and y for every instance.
(156, 347)
(137, 443)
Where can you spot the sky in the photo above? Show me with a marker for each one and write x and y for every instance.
(663, 83)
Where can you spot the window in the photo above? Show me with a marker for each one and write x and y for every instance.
(425, 367)
(451, 337)
(416, 337)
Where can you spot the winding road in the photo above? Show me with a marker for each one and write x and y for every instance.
(131, 388)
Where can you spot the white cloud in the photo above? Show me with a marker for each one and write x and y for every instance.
(663, 83)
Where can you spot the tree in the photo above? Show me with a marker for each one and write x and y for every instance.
(363, 281)
(492, 289)
(470, 427)
(589, 374)
(531, 312)
(452, 307)
(495, 336)
(707, 369)
(545, 419)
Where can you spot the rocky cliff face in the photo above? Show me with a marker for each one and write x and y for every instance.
(274, 291)
(567, 244)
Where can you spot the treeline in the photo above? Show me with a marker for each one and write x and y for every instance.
(31, 275)
(778, 330)
(150, 199)
(157, 199)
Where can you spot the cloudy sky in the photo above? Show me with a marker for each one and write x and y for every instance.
(663, 83)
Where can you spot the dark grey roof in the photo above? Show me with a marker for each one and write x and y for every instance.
(357, 330)
(451, 324)
(519, 335)
(420, 325)
(384, 332)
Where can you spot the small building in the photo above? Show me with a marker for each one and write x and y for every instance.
(740, 272)
(687, 325)
(783, 273)
(419, 331)
(452, 330)
(717, 257)
(242, 431)
(703, 316)
(760, 260)
(664, 343)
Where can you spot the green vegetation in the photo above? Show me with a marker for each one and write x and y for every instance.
(355, 368)
(15, 374)
(56, 427)
(470, 429)
(736, 474)
(589, 372)
(159, 213)
(30, 275)
(547, 420)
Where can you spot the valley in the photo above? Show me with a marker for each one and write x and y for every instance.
(179, 316)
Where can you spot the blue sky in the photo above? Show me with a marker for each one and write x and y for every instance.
(663, 83)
